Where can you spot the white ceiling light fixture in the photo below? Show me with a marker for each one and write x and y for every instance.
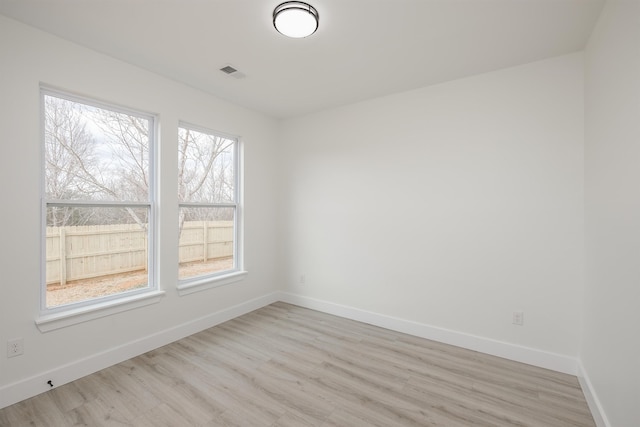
(295, 19)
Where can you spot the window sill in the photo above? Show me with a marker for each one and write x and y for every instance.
(186, 288)
(51, 322)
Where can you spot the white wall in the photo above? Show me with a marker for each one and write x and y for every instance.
(450, 206)
(29, 57)
(610, 351)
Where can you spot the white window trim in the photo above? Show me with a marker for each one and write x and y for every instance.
(203, 283)
(217, 279)
(61, 316)
(84, 313)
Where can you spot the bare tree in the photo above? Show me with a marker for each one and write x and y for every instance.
(205, 174)
(128, 139)
(103, 155)
(94, 154)
(68, 155)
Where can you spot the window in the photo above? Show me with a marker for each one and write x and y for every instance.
(98, 212)
(208, 205)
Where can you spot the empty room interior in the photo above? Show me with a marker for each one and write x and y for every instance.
(409, 213)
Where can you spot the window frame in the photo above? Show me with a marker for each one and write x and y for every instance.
(63, 315)
(237, 273)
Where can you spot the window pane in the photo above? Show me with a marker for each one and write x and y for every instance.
(205, 167)
(94, 252)
(206, 241)
(94, 154)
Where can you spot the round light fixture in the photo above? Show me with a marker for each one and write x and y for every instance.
(295, 19)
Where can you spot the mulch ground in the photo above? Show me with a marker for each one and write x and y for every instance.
(80, 290)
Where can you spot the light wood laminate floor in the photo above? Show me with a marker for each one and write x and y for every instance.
(284, 365)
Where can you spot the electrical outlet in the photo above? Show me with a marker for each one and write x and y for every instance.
(15, 347)
(518, 318)
(303, 279)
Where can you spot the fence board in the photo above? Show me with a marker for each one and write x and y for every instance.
(81, 252)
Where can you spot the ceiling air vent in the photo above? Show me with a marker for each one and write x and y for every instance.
(228, 69)
(233, 72)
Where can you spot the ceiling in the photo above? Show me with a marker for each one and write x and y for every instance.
(362, 49)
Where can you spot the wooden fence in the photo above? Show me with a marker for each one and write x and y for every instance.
(83, 252)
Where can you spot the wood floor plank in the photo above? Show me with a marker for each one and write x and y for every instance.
(96, 413)
(284, 366)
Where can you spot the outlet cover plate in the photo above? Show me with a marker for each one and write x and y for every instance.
(518, 318)
(15, 347)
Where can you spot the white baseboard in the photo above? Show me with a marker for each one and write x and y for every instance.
(24, 389)
(599, 416)
(531, 356)
(29, 387)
